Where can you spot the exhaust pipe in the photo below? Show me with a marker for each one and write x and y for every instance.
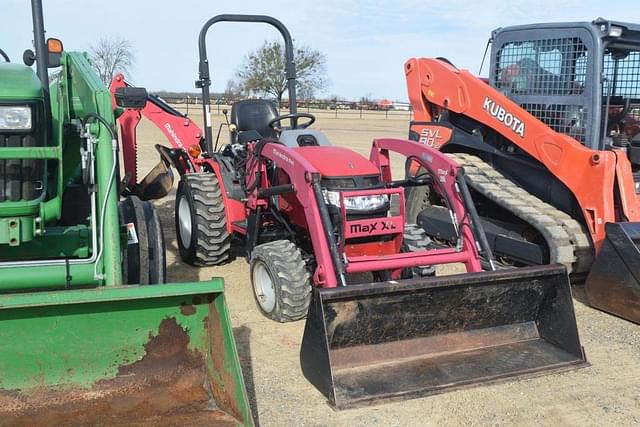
(364, 344)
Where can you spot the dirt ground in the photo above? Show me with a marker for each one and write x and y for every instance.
(606, 393)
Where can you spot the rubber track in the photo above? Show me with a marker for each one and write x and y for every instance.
(213, 243)
(567, 239)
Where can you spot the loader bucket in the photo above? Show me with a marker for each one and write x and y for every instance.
(134, 355)
(364, 344)
(613, 284)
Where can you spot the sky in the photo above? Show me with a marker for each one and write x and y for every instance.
(366, 42)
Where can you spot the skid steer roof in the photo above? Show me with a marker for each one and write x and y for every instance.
(600, 25)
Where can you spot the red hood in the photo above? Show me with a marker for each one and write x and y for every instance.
(337, 161)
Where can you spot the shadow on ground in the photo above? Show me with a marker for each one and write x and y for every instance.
(242, 335)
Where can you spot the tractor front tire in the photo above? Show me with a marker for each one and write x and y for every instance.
(201, 222)
(143, 259)
(415, 239)
(280, 280)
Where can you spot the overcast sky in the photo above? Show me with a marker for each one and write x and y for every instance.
(366, 42)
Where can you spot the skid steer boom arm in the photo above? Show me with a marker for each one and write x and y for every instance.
(435, 87)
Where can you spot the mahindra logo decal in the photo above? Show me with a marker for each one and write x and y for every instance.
(502, 115)
(282, 156)
(173, 134)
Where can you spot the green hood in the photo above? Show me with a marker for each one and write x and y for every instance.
(18, 82)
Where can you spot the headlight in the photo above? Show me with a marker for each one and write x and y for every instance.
(15, 118)
(357, 203)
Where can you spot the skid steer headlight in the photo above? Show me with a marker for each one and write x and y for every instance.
(357, 203)
(15, 118)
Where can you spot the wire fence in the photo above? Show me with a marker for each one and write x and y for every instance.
(326, 109)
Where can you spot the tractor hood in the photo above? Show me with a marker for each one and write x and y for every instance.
(337, 161)
(19, 82)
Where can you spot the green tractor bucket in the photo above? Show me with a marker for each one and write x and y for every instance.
(134, 355)
(364, 344)
(613, 284)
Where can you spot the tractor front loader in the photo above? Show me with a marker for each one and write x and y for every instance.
(89, 332)
(551, 147)
(314, 220)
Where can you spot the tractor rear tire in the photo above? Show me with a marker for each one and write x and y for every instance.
(416, 239)
(280, 280)
(143, 260)
(201, 222)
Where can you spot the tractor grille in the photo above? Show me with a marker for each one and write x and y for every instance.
(547, 78)
(20, 179)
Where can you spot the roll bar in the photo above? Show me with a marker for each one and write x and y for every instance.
(204, 80)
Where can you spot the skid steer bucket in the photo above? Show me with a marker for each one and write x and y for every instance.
(364, 344)
(134, 355)
(613, 284)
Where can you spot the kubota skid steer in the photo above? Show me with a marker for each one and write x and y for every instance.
(89, 332)
(551, 147)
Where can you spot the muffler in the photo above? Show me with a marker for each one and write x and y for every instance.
(613, 284)
(364, 344)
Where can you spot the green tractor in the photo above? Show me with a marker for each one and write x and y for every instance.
(89, 331)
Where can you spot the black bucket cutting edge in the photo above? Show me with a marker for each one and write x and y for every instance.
(364, 344)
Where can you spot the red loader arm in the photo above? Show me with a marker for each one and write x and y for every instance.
(181, 132)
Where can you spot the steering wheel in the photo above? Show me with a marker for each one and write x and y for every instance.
(294, 120)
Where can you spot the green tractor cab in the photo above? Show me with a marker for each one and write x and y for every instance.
(89, 331)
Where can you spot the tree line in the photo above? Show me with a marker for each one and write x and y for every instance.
(261, 73)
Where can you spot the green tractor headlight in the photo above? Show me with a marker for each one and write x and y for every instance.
(15, 118)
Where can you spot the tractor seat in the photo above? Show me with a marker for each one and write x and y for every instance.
(254, 114)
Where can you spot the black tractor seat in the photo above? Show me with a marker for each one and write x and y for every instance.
(254, 114)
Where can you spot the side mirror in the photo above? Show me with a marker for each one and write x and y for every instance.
(28, 57)
(131, 97)
(55, 48)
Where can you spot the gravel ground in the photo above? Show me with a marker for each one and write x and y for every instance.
(606, 393)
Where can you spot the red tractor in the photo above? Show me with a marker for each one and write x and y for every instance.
(313, 219)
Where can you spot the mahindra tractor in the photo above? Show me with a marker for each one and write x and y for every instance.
(551, 150)
(326, 235)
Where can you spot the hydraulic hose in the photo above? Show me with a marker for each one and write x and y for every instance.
(112, 175)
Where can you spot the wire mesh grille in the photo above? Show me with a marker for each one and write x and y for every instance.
(622, 75)
(622, 84)
(554, 68)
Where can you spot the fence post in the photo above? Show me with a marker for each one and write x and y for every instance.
(386, 114)
(361, 111)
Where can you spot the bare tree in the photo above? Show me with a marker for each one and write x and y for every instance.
(111, 55)
(263, 71)
(233, 91)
